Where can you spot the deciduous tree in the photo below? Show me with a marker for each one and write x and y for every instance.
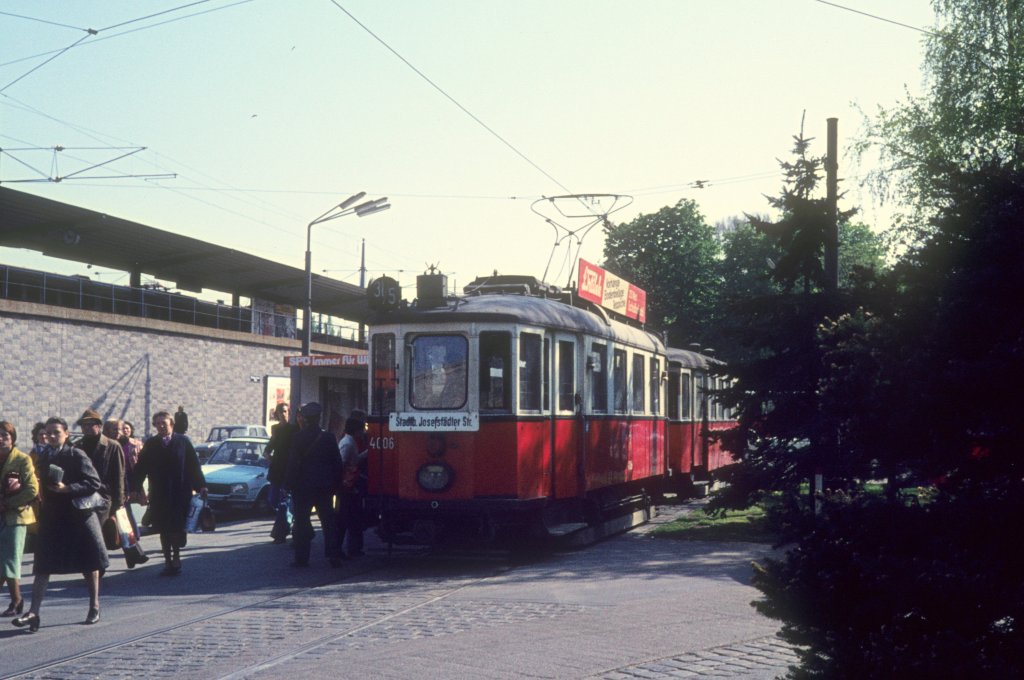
(672, 254)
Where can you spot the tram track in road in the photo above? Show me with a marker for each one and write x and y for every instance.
(409, 609)
(292, 654)
(55, 663)
(235, 642)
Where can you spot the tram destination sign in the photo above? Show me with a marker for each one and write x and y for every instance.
(602, 287)
(443, 421)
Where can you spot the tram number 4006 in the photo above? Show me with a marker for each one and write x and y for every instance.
(382, 443)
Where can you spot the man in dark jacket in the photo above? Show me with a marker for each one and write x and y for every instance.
(314, 468)
(277, 451)
(181, 421)
(172, 466)
(108, 459)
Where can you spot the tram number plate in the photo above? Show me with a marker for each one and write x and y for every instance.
(435, 421)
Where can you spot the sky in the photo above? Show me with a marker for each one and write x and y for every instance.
(257, 116)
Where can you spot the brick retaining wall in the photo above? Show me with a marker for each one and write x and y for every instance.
(58, 361)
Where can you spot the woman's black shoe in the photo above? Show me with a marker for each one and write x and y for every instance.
(93, 616)
(14, 609)
(31, 620)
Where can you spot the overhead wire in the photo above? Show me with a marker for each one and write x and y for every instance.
(155, 14)
(875, 16)
(452, 99)
(93, 32)
(42, 21)
(433, 84)
(39, 66)
(220, 190)
(99, 39)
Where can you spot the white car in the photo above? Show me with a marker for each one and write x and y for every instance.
(219, 433)
(236, 474)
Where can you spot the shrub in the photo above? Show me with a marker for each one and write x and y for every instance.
(877, 588)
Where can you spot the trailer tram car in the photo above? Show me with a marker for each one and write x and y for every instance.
(518, 410)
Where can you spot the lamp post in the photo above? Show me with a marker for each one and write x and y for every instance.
(344, 208)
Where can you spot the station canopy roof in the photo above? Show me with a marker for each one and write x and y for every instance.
(72, 233)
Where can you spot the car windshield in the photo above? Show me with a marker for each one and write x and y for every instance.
(219, 434)
(239, 453)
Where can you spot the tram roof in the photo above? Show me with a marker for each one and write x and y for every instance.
(74, 233)
(525, 309)
(690, 359)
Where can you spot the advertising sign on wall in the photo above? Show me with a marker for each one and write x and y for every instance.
(279, 391)
(327, 360)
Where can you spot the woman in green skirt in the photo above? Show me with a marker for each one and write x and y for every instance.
(18, 488)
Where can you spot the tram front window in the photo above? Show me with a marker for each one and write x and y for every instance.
(439, 372)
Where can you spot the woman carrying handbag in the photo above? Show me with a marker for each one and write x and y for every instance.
(69, 539)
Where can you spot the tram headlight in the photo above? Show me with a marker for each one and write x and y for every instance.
(435, 476)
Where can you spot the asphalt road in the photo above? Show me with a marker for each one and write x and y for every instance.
(629, 607)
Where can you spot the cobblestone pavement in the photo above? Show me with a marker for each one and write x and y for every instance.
(630, 607)
(765, 657)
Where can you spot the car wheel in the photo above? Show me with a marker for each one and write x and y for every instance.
(262, 504)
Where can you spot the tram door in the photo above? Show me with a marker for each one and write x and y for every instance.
(566, 427)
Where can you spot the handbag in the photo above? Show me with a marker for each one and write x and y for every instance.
(207, 522)
(110, 537)
(94, 502)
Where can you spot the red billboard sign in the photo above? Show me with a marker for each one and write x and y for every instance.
(606, 289)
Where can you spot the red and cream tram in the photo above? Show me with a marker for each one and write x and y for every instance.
(517, 406)
(694, 420)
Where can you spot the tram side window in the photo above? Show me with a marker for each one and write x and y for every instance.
(639, 383)
(566, 375)
(709, 389)
(655, 386)
(719, 406)
(701, 397)
(687, 392)
(619, 386)
(383, 372)
(495, 363)
(438, 371)
(599, 374)
(713, 405)
(530, 358)
(730, 413)
(673, 396)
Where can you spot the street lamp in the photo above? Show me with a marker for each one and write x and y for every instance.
(344, 208)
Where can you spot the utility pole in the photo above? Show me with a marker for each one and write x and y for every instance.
(362, 284)
(832, 198)
(829, 441)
